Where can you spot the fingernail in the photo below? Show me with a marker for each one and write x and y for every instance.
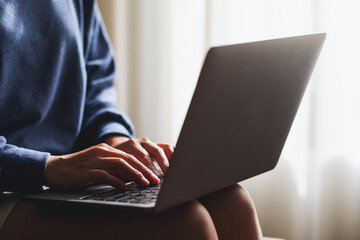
(145, 181)
(155, 179)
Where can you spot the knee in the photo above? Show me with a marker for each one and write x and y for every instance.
(196, 222)
(240, 195)
(240, 192)
(196, 213)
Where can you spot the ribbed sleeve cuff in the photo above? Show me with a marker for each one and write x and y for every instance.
(22, 170)
(110, 128)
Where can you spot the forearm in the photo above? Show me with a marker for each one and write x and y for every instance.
(102, 116)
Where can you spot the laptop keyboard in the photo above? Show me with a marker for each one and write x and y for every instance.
(133, 194)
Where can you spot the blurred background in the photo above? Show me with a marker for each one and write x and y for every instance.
(314, 192)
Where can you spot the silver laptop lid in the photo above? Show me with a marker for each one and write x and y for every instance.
(240, 115)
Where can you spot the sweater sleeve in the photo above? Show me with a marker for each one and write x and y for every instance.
(101, 114)
(21, 169)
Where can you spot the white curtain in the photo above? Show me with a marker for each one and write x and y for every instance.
(314, 193)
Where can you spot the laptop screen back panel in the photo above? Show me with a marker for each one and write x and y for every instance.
(239, 118)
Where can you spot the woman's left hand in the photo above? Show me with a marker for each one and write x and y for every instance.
(144, 150)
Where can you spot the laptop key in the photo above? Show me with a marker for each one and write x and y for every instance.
(144, 200)
(135, 194)
(110, 199)
(124, 199)
(99, 199)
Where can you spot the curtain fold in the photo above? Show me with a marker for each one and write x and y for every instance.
(314, 192)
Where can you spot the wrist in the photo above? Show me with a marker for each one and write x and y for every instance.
(115, 140)
(50, 170)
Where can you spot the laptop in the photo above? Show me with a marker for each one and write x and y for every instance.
(237, 123)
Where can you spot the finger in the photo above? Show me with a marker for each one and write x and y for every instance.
(103, 150)
(121, 176)
(135, 149)
(100, 176)
(168, 149)
(118, 165)
(157, 153)
(149, 174)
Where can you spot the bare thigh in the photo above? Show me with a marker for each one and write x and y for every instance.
(31, 220)
(233, 213)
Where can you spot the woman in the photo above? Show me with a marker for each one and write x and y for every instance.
(60, 127)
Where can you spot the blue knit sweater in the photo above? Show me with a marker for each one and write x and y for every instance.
(56, 86)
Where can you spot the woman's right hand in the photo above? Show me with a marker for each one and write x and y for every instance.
(97, 164)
